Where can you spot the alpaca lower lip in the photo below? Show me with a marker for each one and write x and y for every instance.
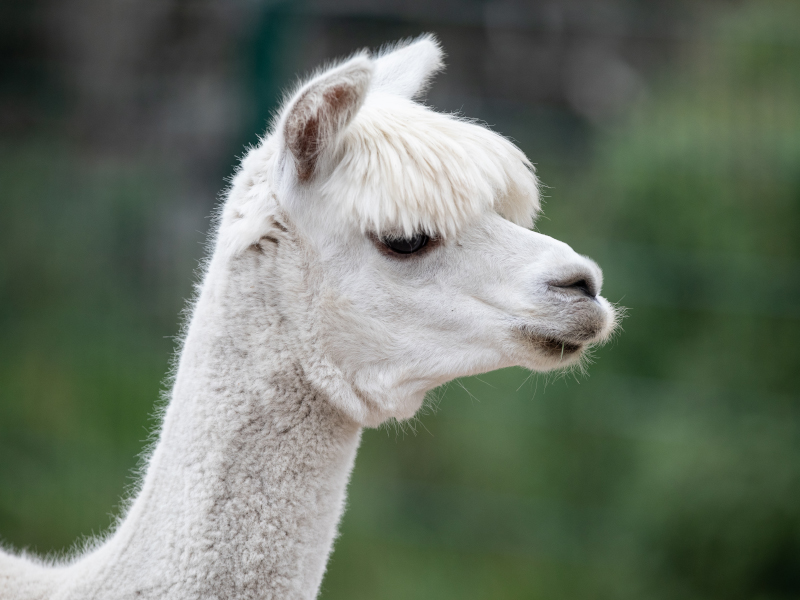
(555, 346)
(552, 345)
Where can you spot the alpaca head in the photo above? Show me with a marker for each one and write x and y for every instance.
(416, 225)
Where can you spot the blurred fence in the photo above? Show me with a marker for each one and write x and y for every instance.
(669, 136)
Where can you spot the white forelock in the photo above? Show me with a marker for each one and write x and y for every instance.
(406, 168)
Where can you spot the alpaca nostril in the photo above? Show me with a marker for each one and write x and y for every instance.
(584, 285)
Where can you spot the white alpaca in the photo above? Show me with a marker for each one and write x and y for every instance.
(370, 249)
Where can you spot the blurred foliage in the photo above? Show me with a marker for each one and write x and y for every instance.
(673, 471)
(86, 298)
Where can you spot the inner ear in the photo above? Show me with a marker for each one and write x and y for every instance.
(322, 110)
(302, 139)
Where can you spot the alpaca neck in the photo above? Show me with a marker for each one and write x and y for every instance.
(246, 485)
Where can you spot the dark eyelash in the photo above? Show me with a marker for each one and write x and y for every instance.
(407, 245)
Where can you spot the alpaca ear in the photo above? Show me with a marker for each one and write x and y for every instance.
(322, 109)
(407, 68)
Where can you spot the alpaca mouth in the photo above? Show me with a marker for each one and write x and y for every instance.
(566, 336)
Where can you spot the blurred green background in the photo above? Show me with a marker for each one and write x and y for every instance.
(668, 134)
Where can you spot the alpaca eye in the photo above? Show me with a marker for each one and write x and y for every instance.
(407, 245)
